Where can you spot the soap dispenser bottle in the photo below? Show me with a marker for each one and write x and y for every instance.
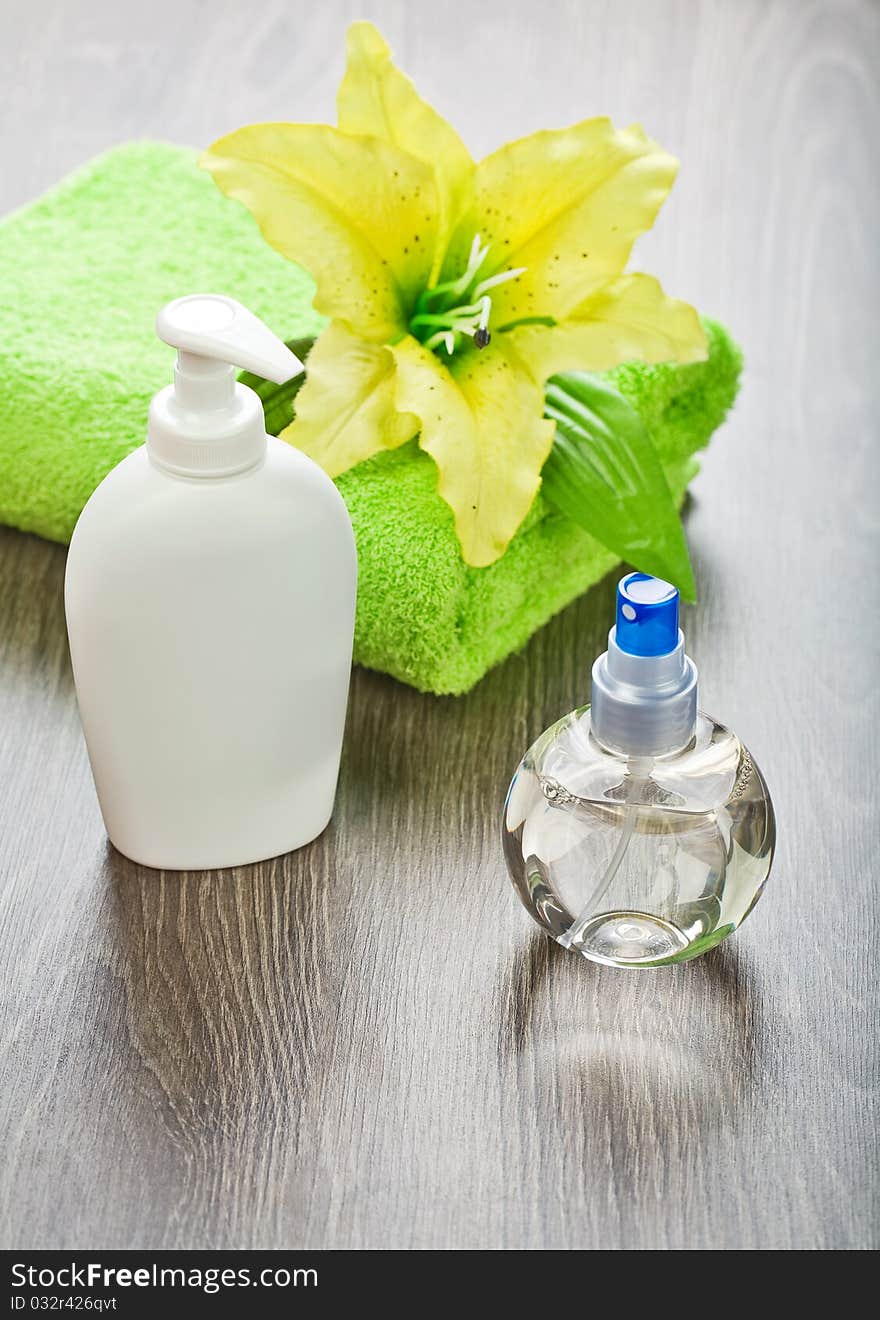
(639, 831)
(210, 599)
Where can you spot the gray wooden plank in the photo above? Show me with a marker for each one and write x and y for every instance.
(365, 1043)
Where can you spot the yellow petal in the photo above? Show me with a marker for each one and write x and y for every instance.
(345, 410)
(376, 98)
(482, 424)
(358, 213)
(631, 318)
(567, 204)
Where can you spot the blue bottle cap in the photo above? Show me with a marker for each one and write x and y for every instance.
(647, 615)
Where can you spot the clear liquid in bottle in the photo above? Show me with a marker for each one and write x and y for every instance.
(633, 860)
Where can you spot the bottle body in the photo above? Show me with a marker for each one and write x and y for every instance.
(210, 624)
(638, 861)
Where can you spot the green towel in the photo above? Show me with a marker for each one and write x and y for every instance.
(83, 272)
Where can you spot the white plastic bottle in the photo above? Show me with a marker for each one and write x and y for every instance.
(210, 600)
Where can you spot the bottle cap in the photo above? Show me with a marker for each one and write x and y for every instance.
(207, 423)
(644, 699)
(647, 615)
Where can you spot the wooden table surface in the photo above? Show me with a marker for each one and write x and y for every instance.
(367, 1043)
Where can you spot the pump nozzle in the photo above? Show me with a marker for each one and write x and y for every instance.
(206, 424)
(209, 325)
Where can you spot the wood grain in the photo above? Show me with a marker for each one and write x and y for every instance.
(365, 1043)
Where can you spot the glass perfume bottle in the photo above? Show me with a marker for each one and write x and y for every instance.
(639, 831)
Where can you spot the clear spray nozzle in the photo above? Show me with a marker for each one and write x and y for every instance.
(644, 686)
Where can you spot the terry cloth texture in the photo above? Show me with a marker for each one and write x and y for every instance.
(84, 270)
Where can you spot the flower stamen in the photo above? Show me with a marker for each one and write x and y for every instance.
(459, 309)
(501, 278)
(447, 338)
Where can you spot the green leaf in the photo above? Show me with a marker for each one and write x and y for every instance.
(603, 472)
(278, 399)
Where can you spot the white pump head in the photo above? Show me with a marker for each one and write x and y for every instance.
(207, 424)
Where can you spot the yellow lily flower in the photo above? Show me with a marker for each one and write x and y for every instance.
(454, 290)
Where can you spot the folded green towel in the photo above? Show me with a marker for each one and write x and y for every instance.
(83, 272)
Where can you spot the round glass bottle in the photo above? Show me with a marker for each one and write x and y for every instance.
(634, 855)
(638, 863)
